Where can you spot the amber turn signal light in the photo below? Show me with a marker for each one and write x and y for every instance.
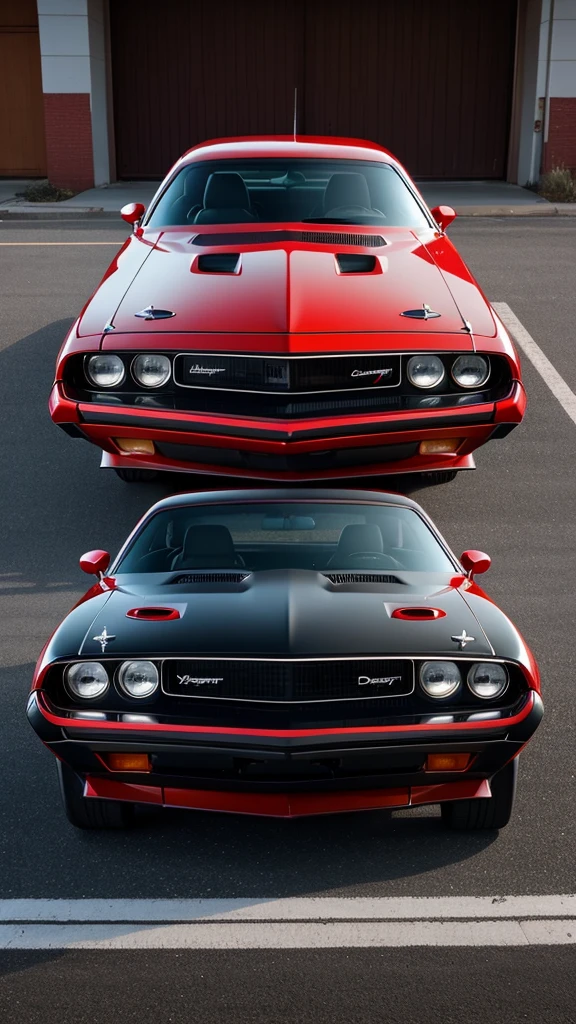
(128, 762)
(135, 445)
(441, 446)
(447, 762)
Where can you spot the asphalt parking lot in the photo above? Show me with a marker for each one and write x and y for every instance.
(55, 503)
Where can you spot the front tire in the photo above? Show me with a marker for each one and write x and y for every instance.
(88, 812)
(491, 813)
(136, 476)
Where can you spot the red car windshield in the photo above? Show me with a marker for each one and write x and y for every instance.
(286, 535)
(280, 191)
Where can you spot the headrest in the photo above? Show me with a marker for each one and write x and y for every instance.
(346, 189)
(208, 542)
(390, 529)
(226, 189)
(175, 532)
(357, 537)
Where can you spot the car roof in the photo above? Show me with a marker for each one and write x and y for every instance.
(305, 146)
(282, 494)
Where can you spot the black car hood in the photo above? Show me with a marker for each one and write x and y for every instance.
(283, 613)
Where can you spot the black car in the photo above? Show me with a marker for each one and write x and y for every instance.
(279, 653)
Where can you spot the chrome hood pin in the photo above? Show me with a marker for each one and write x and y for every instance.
(462, 640)
(426, 313)
(104, 638)
(151, 313)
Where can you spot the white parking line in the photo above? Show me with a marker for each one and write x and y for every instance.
(314, 923)
(532, 350)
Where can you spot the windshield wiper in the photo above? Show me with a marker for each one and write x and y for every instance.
(373, 222)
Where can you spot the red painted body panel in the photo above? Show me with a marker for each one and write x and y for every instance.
(288, 298)
(287, 805)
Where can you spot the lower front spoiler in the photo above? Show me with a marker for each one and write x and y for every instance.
(285, 773)
(286, 805)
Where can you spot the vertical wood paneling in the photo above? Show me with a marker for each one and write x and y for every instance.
(429, 79)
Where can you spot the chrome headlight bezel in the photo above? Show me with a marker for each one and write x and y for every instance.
(75, 666)
(471, 356)
(457, 683)
(498, 665)
(148, 355)
(121, 679)
(432, 358)
(111, 356)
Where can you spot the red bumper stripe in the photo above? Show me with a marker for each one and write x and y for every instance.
(71, 723)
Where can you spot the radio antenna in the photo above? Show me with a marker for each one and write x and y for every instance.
(295, 111)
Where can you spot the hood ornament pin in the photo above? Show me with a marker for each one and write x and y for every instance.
(104, 639)
(421, 314)
(462, 640)
(151, 313)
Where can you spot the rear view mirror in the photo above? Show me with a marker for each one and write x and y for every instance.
(443, 215)
(475, 562)
(95, 562)
(132, 213)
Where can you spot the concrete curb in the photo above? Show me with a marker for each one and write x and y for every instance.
(47, 212)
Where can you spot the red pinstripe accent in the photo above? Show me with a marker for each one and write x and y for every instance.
(68, 723)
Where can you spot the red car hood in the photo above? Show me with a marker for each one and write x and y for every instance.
(287, 288)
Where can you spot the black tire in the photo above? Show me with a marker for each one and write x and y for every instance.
(491, 813)
(136, 476)
(90, 812)
(441, 476)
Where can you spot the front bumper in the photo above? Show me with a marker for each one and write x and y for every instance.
(284, 773)
(312, 449)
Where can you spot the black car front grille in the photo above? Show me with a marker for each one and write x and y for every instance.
(276, 375)
(312, 237)
(289, 681)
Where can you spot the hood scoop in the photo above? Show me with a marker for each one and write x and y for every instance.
(210, 577)
(360, 577)
(218, 263)
(355, 263)
(269, 237)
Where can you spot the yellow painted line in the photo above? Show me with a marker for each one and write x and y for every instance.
(61, 243)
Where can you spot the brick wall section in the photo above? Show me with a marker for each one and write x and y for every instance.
(68, 128)
(561, 146)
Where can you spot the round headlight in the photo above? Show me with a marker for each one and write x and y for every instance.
(150, 370)
(106, 370)
(425, 371)
(138, 678)
(488, 680)
(470, 371)
(87, 679)
(440, 678)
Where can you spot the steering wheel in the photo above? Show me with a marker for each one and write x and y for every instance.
(382, 561)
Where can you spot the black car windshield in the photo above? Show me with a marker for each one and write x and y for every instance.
(280, 191)
(285, 535)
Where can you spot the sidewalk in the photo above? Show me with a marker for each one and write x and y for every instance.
(468, 198)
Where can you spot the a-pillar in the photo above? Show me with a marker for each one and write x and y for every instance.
(74, 80)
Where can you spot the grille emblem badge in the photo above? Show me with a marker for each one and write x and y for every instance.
(421, 314)
(382, 681)
(372, 373)
(462, 640)
(199, 680)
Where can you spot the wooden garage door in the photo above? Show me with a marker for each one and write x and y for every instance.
(429, 79)
(22, 147)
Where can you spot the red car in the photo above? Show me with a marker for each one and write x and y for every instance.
(288, 309)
